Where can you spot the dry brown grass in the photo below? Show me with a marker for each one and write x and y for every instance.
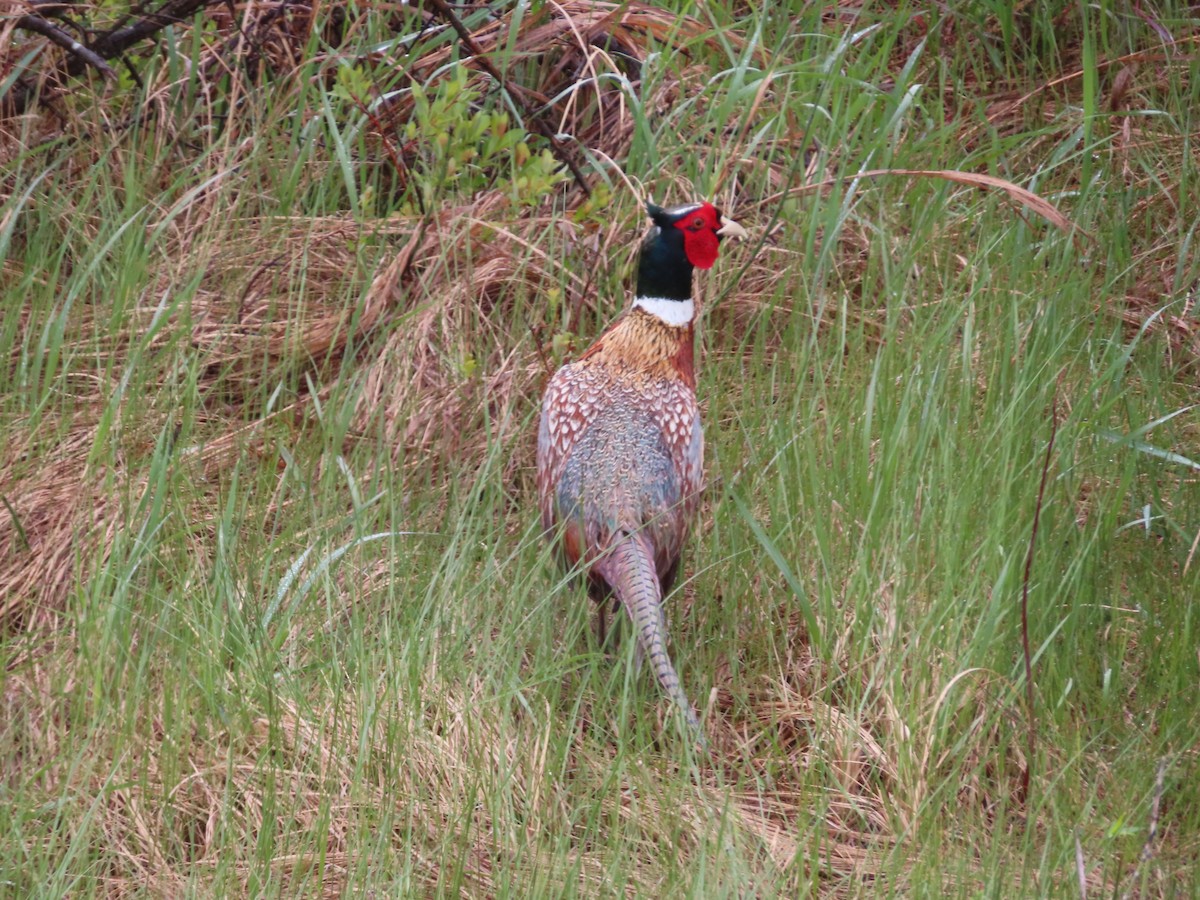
(173, 803)
(53, 514)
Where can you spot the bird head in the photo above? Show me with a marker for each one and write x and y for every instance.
(699, 228)
(684, 237)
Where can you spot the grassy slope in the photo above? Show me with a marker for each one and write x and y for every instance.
(202, 695)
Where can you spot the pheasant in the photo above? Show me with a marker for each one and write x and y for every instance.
(620, 445)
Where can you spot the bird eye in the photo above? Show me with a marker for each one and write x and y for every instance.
(698, 223)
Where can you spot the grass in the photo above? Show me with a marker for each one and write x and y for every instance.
(275, 615)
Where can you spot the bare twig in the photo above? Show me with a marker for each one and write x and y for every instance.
(1037, 515)
(443, 9)
(60, 38)
(1152, 830)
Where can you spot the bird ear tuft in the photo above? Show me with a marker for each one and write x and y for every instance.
(659, 215)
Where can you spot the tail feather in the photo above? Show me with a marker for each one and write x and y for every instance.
(629, 569)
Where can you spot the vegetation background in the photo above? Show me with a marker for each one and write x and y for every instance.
(281, 284)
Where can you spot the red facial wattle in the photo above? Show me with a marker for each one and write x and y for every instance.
(701, 242)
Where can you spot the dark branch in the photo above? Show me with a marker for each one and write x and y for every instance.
(60, 38)
(172, 12)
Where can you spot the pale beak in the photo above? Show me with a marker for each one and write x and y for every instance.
(730, 228)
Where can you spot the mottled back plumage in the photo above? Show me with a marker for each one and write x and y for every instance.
(620, 444)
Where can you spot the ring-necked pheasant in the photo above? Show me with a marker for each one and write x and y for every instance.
(620, 446)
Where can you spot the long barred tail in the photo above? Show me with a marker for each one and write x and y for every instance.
(629, 569)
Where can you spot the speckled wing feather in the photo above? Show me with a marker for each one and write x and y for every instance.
(618, 452)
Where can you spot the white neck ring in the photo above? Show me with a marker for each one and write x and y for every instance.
(672, 312)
